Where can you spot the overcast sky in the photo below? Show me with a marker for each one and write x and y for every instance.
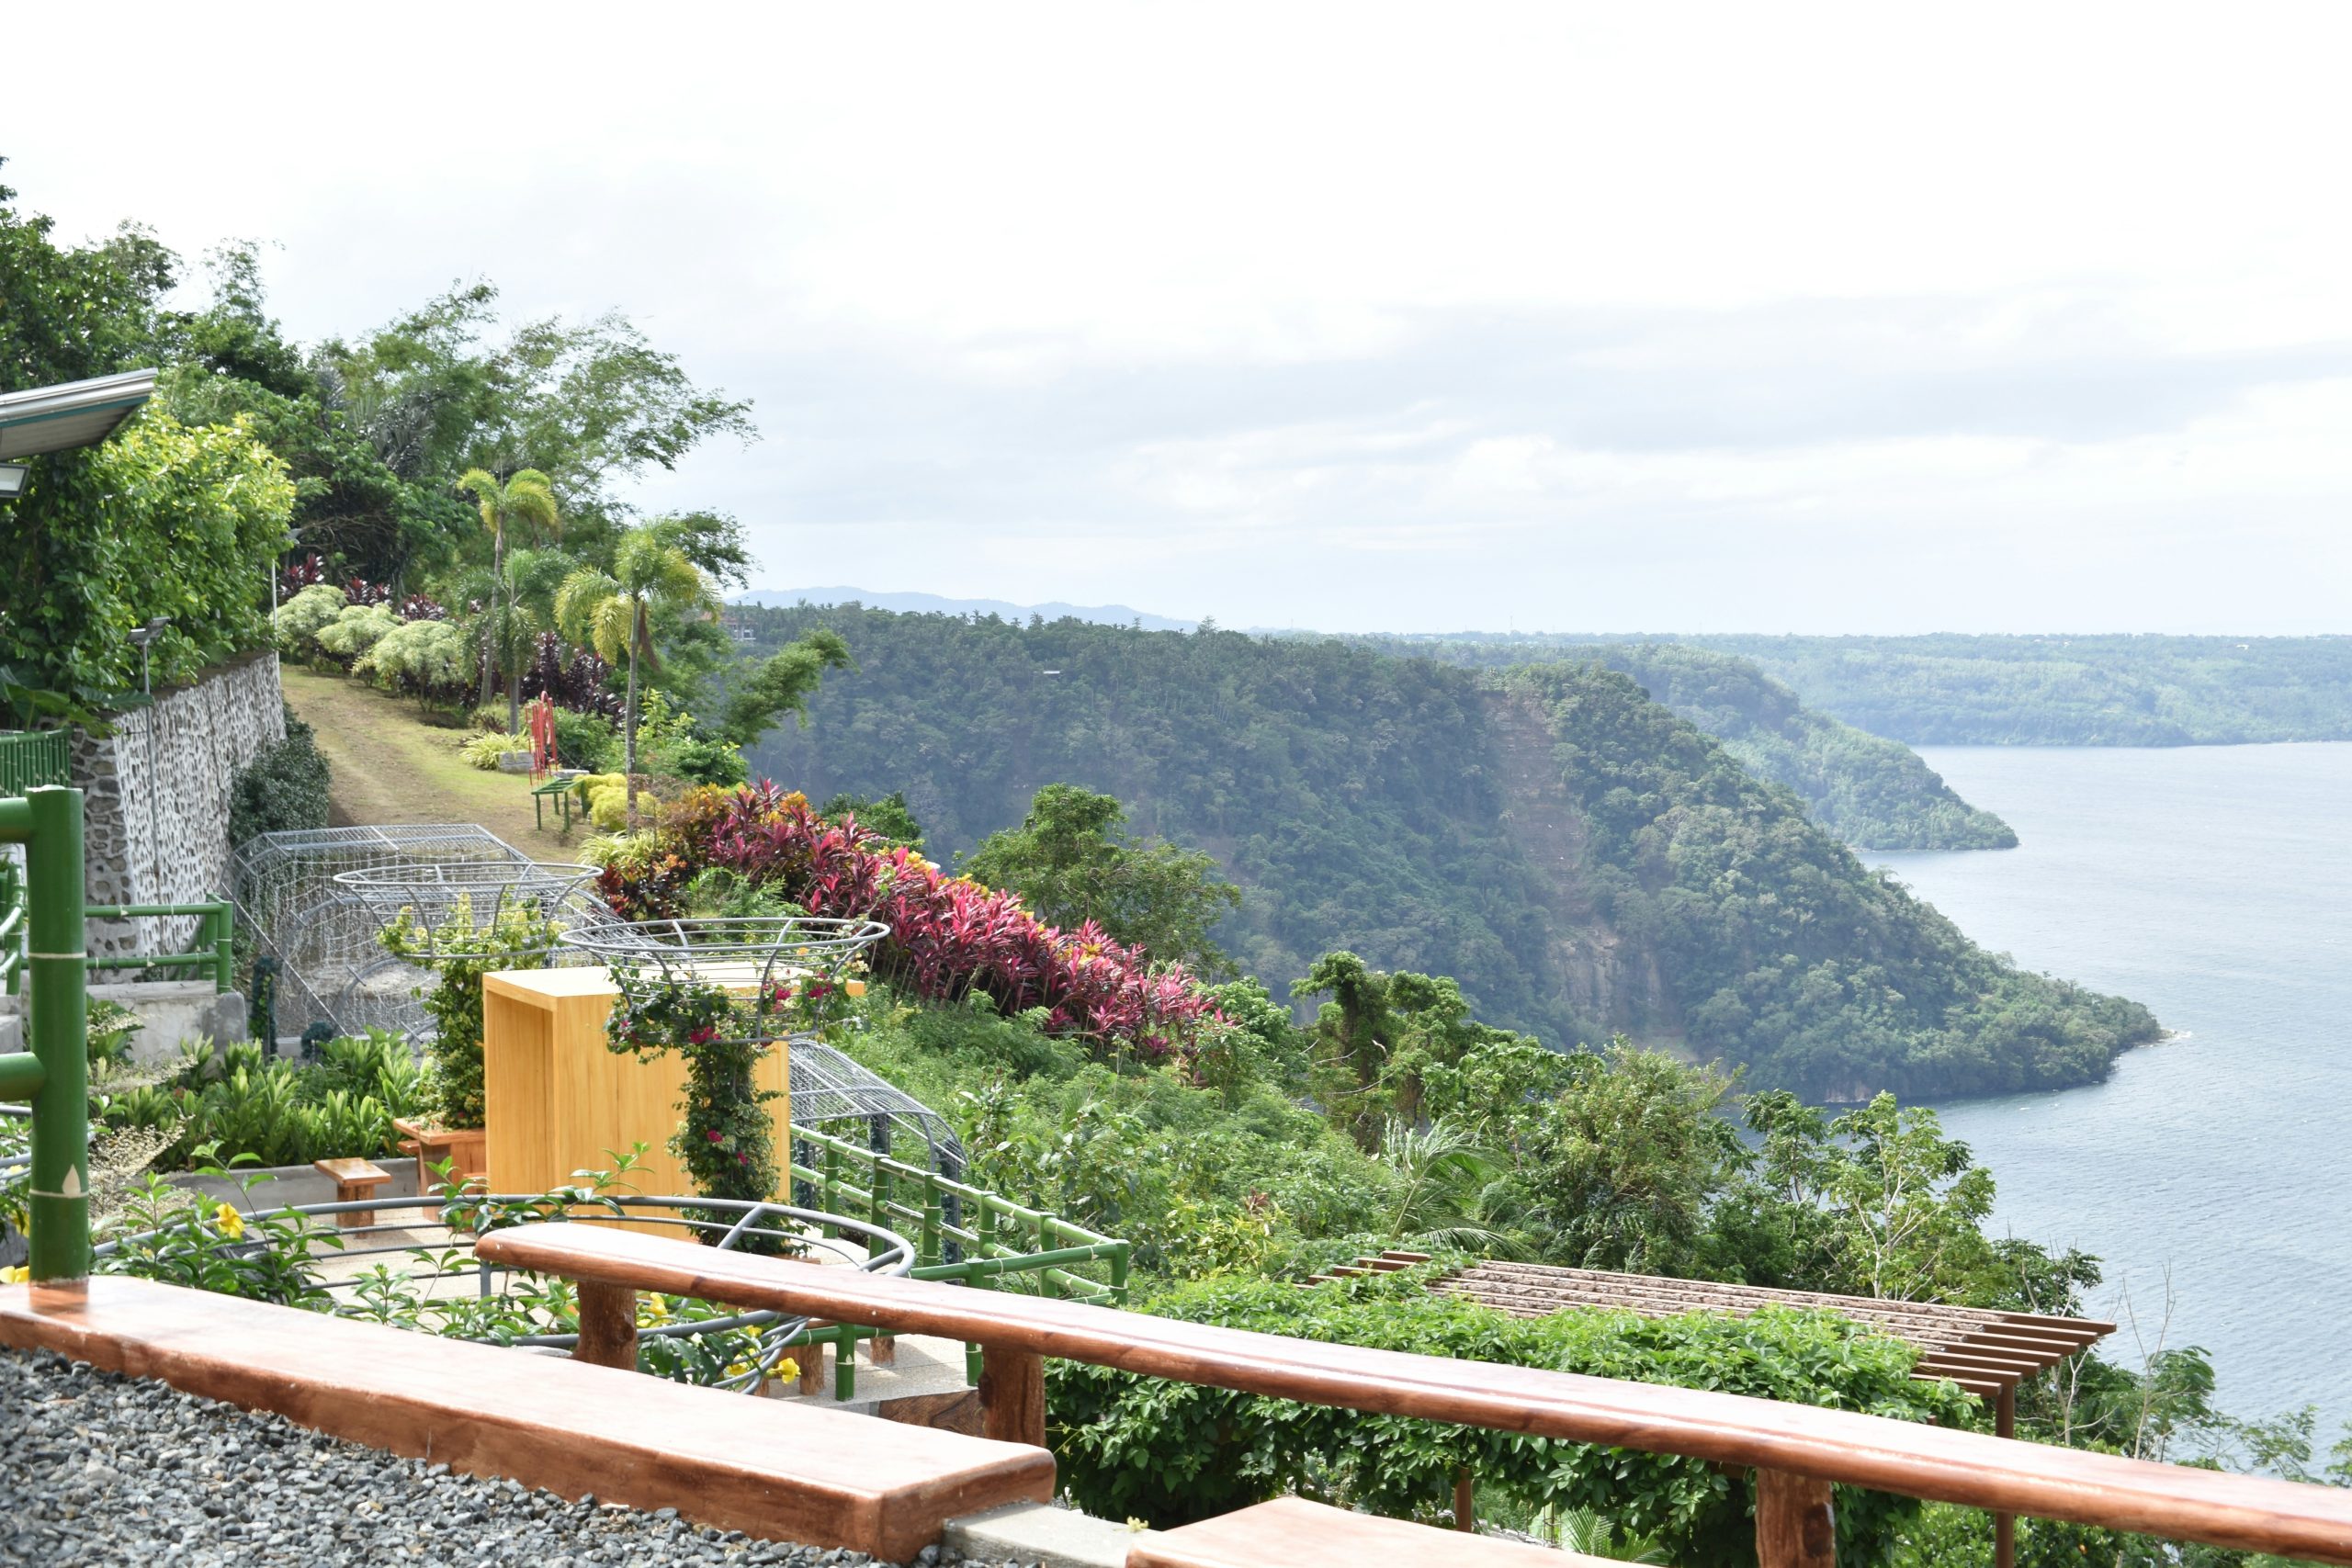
(1644, 318)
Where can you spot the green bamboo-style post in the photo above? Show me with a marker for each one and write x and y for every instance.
(55, 1075)
(832, 1188)
(931, 1251)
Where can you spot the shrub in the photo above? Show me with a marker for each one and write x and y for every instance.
(586, 740)
(1169, 1452)
(430, 661)
(950, 938)
(297, 621)
(355, 631)
(242, 1101)
(483, 750)
(282, 788)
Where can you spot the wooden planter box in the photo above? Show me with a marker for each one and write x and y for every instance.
(559, 1100)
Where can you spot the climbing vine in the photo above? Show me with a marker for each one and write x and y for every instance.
(725, 1140)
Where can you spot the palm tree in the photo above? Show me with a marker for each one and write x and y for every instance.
(1446, 1186)
(612, 612)
(528, 498)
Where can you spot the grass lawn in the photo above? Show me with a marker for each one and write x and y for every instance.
(388, 765)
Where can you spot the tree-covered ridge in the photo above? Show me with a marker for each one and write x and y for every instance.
(1580, 859)
(1953, 690)
(1873, 793)
(1775, 946)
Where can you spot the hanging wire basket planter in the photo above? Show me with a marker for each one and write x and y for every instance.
(452, 910)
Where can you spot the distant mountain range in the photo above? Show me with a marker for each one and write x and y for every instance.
(934, 604)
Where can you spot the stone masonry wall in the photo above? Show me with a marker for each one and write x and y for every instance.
(157, 821)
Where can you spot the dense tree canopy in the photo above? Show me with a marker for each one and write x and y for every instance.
(1577, 858)
(1871, 792)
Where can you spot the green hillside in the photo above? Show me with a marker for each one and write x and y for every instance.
(1579, 858)
(2068, 691)
(1873, 793)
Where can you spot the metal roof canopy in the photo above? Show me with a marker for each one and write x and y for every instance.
(1986, 1352)
(72, 413)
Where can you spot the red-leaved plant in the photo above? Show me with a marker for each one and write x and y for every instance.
(949, 936)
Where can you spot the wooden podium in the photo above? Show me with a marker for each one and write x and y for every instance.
(558, 1099)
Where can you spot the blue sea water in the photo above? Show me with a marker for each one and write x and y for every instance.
(2213, 883)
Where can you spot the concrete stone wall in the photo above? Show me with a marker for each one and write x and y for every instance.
(155, 799)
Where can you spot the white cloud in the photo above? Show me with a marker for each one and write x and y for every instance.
(1359, 316)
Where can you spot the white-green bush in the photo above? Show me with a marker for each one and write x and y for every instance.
(356, 630)
(300, 620)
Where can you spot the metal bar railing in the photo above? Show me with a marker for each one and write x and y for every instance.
(993, 1237)
(216, 951)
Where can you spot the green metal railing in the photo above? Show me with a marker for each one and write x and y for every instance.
(54, 1074)
(30, 758)
(216, 949)
(995, 1239)
(12, 928)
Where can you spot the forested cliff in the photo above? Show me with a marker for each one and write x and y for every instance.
(1579, 858)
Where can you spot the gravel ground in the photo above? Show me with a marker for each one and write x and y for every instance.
(97, 1469)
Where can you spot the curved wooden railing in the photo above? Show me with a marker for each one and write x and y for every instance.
(1799, 1451)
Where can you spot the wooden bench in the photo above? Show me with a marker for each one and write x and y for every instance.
(769, 1468)
(354, 1179)
(1291, 1532)
(1796, 1450)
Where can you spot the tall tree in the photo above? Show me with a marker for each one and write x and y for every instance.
(527, 498)
(1069, 862)
(614, 612)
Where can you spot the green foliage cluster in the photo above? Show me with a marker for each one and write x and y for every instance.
(460, 946)
(165, 520)
(2107, 690)
(1871, 792)
(1070, 863)
(282, 789)
(243, 1102)
(1169, 1452)
(1577, 858)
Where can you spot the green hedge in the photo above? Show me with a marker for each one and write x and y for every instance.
(1169, 1452)
(284, 787)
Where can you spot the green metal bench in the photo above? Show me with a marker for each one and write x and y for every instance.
(559, 790)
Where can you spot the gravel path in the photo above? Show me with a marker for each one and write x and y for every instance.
(97, 1469)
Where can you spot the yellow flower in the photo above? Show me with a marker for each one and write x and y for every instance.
(737, 1369)
(14, 1276)
(787, 1369)
(231, 1224)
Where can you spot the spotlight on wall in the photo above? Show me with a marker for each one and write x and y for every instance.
(12, 479)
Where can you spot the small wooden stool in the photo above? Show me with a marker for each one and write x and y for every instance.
(354, 1179)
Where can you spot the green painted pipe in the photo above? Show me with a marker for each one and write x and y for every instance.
(59, 1235)
(20, 1075)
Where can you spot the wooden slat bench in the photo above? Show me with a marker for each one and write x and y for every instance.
(1291, 1532)
(771, 1468)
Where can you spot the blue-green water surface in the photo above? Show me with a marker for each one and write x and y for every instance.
(2213, 883)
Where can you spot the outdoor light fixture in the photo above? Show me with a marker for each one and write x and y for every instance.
(12, 479)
